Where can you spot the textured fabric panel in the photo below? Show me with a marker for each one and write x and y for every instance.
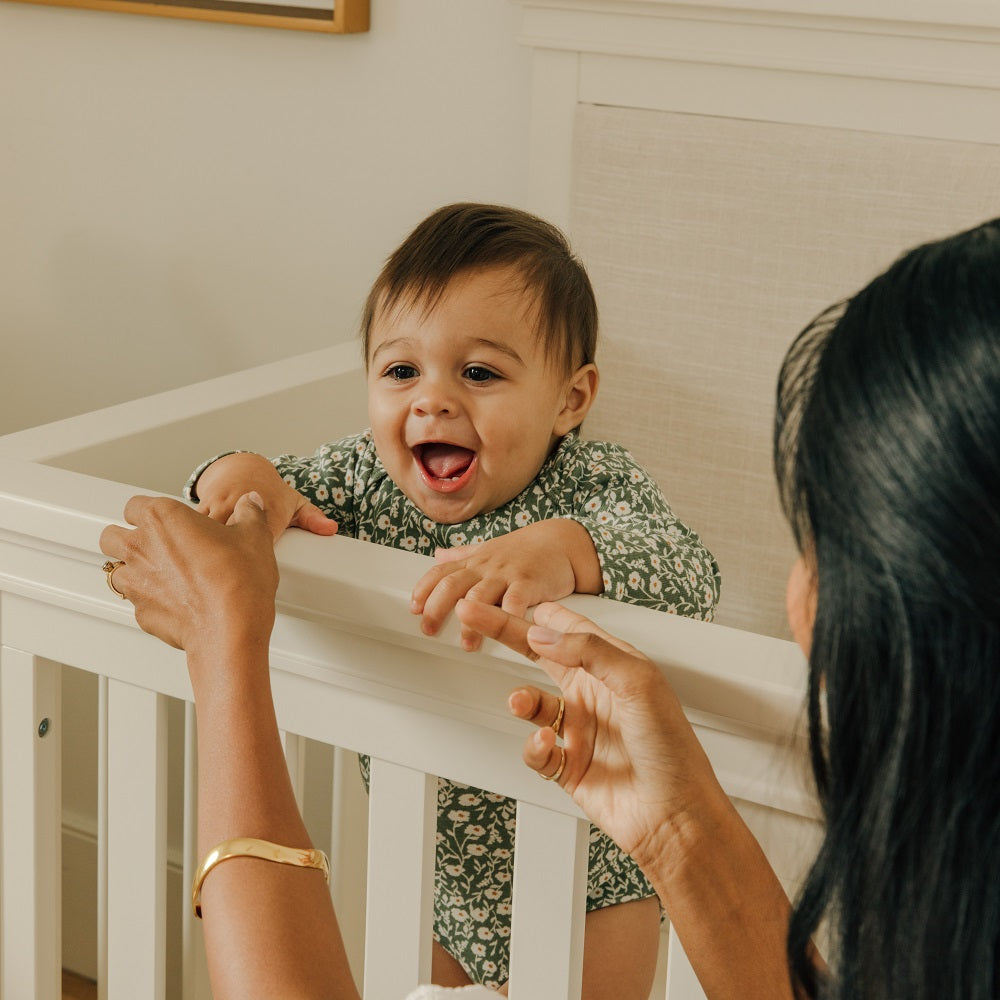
(711, 242)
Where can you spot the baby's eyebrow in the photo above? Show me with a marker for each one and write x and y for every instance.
(494, 345)
(502, 348)
(385, 345)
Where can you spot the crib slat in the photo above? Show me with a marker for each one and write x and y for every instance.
(295, 756)
(349, 855)
(137, 842)
(401, 825)
(32, 852)
(550, 901)
(102, 838)
(682, 983)
(194, 960)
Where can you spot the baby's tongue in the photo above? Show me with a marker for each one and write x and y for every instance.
(445, 461)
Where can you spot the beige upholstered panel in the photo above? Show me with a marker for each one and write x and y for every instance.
(711, 242)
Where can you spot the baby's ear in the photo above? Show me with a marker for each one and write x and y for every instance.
(581, 391)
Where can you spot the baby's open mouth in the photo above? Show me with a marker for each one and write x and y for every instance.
(444, 465)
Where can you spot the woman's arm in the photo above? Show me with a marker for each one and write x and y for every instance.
(636, 768)
(209, 588)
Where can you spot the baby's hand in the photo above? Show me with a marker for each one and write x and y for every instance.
(226, 480)
(545, 561)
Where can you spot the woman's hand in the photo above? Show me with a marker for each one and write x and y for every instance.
(632, 761)
(636, 768)
(199, 585)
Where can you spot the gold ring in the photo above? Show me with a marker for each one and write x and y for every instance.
(559, 769)
(109, 567)
(557, 725)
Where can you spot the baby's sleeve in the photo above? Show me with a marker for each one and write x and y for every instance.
(326, 478)
(648, 556)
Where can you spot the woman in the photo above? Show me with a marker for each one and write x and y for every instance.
(886, 450)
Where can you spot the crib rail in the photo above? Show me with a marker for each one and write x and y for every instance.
(351, 669)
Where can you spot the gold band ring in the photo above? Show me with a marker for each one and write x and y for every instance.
(559, 769)
(109, 568)
(557, 725)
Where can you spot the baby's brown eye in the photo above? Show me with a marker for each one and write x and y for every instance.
(476, 373)
(401, 373)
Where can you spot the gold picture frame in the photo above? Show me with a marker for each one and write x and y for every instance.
(332, 16)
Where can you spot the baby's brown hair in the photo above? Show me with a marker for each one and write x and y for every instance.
(470, 236)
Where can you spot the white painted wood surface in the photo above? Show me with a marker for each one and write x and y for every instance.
(549, 900)
(137, 841)
(402, 820)
(350, 668)
(30, 723)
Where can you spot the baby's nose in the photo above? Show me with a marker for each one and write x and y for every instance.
(436, 398)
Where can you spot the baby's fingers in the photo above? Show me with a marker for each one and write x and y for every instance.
(486, 592)
(471, 641)
(514, 601)
(310, 518)
(450, 589)
(453, 555)
(424, 587)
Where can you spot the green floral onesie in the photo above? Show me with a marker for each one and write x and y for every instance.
(648, 557)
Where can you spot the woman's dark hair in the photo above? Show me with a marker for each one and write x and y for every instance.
(467, 237)
(887, 451)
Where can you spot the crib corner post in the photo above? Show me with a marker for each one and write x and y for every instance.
(30, 758)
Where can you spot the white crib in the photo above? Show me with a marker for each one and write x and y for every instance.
(351, 669)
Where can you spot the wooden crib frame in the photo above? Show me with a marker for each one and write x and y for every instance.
(351, 669)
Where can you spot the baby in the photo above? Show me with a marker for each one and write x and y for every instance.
(479, 338)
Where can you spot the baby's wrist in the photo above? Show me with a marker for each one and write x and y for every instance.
(200, 482)
(233, 475)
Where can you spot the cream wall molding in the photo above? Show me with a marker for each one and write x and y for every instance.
(926, 68)
(956, 44)
(918, 16)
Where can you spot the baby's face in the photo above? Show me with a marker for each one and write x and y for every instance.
(463, 408)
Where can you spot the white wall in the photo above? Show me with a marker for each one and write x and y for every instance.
(179, 200)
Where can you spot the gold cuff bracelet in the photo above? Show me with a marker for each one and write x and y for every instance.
(251, 847)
